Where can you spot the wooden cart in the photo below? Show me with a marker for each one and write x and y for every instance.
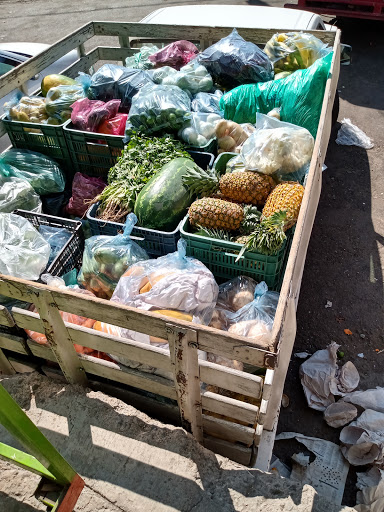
(241, 428)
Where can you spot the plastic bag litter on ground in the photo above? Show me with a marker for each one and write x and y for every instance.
(350, 135)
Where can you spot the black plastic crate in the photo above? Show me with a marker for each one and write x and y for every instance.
(71, 255)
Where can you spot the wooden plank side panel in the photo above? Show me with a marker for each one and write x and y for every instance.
(83, 64)
(225, 406)
(227, 430)
(237, 452)
(18, 76)
(176, 32)
(5, 317)
(209, 339)
(6, 367)
(14, 343)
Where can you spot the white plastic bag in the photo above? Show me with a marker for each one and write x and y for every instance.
(277, 147)
(193, 77)
(350, 135)
(23, 251)
(200, 129)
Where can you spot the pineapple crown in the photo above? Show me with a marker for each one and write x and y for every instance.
(268, 236)
(200, 182)
(251, 219)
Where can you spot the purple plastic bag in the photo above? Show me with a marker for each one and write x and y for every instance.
(87, 114)
(84, 188)
(175, 55)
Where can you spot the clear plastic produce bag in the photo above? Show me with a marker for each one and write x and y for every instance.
(56, 237)
(88, 114)
(159, 107)
(295, 50)
(199, 129)
(175, 54)
(233, 61)
(24, 252)
(174, 286)
(84, 189)
(17, 194)
(41, 172)
(28, 109)
(117, 82)
(255, 319)
(140, 60)
(59, 100)
(300, 97)
(207, 102)
(277, 148)
(231, 136)
(106, 258)
(193, 77)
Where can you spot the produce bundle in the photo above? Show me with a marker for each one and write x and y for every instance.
(300, 96)
(277, 148)
(18, 194)
(141, 159)
(41, 172)
(140, 60)
(232, 61)
(59, 100)
(174, 286)
(193, 77)
(159, 108)
(207, 102)
(294, 50)
(106, 258)
(113, 82)
(199, 129)
(88, 114)
(175, 54)
(231, 136)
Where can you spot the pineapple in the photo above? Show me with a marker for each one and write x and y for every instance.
(287, 196)
(214, 213)
(240, 186)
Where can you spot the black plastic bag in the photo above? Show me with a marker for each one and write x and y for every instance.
(232, 61)
(117, 82)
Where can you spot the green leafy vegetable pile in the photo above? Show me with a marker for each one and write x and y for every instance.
(141, 159)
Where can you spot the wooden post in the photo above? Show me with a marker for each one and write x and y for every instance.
(59, 339)
(5, 366)
(184, 357)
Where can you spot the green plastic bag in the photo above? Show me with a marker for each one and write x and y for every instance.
(41, 172)
(300, 97)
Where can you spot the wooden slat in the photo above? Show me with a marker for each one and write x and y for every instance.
(227, 430)
(83, 64)
(24, 72)
(14, 343)
(235, 409)
(233, 380)
(5, 366)
(134, 378)
(184, 357)
(115, 53)
(42, 351)
(146, 354)
(236, 452)
(5, 317)
(59, 339)
(209, 339)
(210, 373)
(176, 32)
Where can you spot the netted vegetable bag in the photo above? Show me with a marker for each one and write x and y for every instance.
(106, 258)
(300, 96)
(232, 61)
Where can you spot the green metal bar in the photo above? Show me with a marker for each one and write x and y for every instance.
(24, 460)
(25, 431)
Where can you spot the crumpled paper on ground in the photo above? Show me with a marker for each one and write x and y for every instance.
(322, 379)
(350, 135)
(339, 414)
(363, 439)
(369, 478)
(371, 499)
(327, 473)
(369, 399)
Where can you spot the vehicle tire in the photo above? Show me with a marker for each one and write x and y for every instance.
(335, 109)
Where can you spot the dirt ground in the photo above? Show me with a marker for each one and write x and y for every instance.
(345, 256)
(130, 462)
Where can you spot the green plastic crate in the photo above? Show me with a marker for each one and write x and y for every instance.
(220, 257)
(210, 147)
(46, 139)
(221, 161)
(92, 153)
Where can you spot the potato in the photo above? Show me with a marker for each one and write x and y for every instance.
(226, 143)
(221, 129)
(241, 298)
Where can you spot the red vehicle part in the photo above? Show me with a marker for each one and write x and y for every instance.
(363, 9)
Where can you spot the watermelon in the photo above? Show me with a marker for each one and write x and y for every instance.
(164, 200)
